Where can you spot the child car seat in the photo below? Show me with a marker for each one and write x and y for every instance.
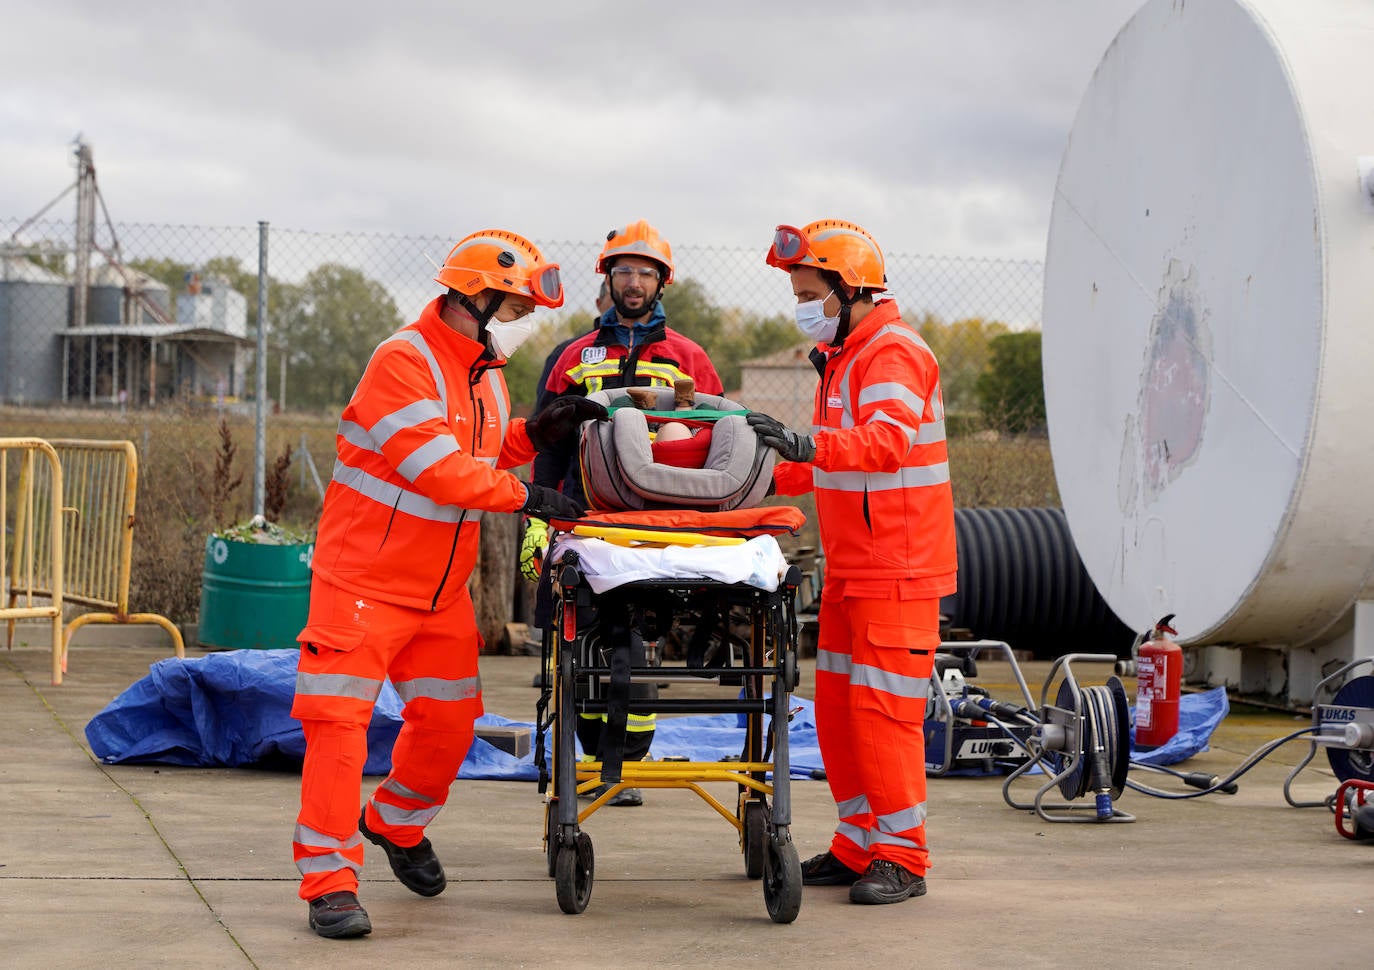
(619, 471)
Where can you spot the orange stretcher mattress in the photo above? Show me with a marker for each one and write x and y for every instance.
(771, 520)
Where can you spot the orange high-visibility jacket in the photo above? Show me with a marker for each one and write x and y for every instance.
(419, 448)
(881, 469)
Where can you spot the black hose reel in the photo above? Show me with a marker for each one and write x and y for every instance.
(1082, 743)
(1345, 728)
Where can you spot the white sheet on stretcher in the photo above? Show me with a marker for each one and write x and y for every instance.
(758, 562)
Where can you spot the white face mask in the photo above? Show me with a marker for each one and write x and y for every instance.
(812, 321)
(505, 339)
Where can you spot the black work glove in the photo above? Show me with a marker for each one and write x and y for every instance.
(543, 502)
(562, 419)
(792, 445)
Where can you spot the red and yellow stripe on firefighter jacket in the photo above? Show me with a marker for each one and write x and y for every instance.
(881, 469)
(598, 361)
(420, 446)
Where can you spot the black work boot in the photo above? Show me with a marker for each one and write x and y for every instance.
(886, 882)
(826, 870)
(337, 916)
(416, 866)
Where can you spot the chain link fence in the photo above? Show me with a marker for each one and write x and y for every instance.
(170, 316)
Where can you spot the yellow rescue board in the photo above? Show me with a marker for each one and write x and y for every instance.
(624, 536)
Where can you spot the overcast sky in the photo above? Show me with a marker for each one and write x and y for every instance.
(937, 124)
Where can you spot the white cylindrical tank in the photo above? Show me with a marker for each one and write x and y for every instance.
(1209, 319)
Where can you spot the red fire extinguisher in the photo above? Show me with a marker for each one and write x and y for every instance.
(1159, 666)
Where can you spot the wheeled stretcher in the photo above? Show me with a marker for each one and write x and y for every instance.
(628, 574)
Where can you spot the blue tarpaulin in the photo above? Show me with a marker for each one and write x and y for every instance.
(233, 709)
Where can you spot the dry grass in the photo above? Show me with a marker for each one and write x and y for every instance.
(179, 487)
(182, 497)
(1007, 471)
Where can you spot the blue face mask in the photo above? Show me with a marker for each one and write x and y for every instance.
(812, 321)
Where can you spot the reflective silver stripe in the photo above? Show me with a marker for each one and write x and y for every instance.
(520, 258)
(832, 662)
(854, 834)
(356, 435)
(847, 409)
(394, 815)
(903, 819)
(502, 414)
(410, 416)
(876, 678)
(332, 862)
(427, 455)
(931, 432)
(633, 722)
(338, 685)
(917, 476)
(858, 805)
(886, 838)
(305, 835)
(892, 391)
(394, 496)
(402, 791)
(438, 689)
(413, 338)
(884, 418)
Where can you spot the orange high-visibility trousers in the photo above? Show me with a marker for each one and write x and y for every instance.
(349, 646)
(874, 658)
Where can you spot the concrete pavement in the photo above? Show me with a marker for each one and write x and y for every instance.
(148, 866)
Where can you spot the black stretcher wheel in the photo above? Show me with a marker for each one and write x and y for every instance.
(755, 837)
(782, 879)
(573, 878)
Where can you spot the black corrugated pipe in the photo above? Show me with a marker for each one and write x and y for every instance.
(1021, 580)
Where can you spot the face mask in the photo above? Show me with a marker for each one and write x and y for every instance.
(505, 339)
(812, 321)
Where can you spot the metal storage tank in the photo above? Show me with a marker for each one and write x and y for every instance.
(112, 297)
(1207, 348)
(34, 306)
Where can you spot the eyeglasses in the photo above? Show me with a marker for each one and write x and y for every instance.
(642, 272)
(790, 247)
(546, 285)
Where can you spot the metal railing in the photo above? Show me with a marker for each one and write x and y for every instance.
(98, 482)
(30, 563)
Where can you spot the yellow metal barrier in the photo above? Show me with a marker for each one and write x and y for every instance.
(29, 561)
(99, 486)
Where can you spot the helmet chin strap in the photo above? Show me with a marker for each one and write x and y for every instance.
(483, 317)
(846, 304)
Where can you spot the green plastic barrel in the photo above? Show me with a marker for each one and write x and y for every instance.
(253, 596)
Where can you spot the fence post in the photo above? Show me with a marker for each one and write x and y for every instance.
(260, 409)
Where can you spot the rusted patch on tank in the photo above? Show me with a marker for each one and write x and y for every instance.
(1175, 385)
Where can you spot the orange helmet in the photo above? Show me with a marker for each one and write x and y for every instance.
(494, 259)
(831, 244)
(637, 239)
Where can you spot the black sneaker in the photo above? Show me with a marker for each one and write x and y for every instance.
(826, 870)
(886, 882)
(337, 916)
(416, 866)
(626, 798)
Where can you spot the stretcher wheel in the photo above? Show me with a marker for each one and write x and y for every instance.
(573, 878)
(551, 834)
(782, 879)
(755, 837)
